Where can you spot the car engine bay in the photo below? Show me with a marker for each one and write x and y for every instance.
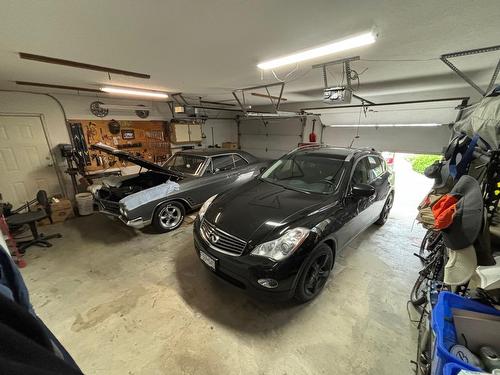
(133, 185)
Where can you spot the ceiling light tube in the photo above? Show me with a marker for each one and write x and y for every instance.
(342, 45)
(271, 114)
(125, 107)
(134, 92)
(384, 125)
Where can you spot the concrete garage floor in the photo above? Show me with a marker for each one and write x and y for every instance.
(131, 302)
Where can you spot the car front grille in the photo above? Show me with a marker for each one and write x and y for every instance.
(109, 206)
(222, 241)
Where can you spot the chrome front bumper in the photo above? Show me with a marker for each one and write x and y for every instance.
(137, 223)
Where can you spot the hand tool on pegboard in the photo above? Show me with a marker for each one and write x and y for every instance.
(11, 243)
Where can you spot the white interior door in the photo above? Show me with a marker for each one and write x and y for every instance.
(26, 164)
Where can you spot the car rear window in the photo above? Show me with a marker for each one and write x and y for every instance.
(185, 163)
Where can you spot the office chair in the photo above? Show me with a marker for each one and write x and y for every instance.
(30, 218)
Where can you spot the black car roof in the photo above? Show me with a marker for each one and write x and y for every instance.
(342, 152)
(209, 151)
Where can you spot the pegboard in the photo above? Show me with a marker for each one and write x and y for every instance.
(146, 139)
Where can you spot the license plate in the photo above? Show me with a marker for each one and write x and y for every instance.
(208, 260)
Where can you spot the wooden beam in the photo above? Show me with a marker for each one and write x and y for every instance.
(76, 64)
(37, 84)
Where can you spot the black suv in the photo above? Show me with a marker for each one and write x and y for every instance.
(278, 234)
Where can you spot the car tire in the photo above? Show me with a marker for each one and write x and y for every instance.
(386, 210)
(168, 216)
(315, 274)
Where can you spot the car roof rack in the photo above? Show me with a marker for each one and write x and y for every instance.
(366, 149)
(319, 145)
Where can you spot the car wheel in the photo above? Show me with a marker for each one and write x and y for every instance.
(315, 274)
(168, 216)
(385, 211)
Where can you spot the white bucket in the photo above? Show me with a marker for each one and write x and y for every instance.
(85, 203)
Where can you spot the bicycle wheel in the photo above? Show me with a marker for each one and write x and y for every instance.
(417, 294)
(428, 245)
(433, 270)
(424, 345)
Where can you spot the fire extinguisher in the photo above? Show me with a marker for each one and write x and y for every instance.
(312, 135)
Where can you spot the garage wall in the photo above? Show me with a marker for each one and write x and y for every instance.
(78, 107)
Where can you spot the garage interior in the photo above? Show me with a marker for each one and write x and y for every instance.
(162, 78)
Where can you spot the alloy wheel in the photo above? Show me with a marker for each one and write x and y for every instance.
(170, 216)
(387, 207)
(317, 274)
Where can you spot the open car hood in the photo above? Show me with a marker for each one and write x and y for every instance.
(124, 155)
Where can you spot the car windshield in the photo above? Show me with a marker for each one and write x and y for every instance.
(185, 163)
(307, 172)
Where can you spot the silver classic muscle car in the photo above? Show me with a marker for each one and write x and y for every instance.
(161, 195)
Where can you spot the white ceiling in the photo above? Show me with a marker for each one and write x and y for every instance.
(208, 48)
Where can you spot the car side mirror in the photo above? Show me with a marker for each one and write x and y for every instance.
(363, 190)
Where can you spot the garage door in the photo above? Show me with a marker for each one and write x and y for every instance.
(415, 128)
(270, 139)
(26, 164)
(420, 140)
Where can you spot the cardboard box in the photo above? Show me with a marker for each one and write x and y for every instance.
(230, 145)
(62, 209)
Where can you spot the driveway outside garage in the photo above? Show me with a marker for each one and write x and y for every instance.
(128, 302)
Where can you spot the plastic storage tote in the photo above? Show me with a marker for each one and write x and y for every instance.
(444, 329)
(454, 369)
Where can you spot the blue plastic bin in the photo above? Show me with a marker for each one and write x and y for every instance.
(452, 369)
(444, 329)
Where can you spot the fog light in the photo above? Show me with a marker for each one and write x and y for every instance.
(268, 283)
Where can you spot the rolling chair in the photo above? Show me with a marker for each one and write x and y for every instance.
(30, 218)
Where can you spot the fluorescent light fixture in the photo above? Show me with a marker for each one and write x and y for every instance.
(342, 45)
(125, 107)
(385, 125)
(134, 92)
(279, 114)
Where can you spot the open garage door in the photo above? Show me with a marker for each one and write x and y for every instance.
(270, 138)
(410, 128)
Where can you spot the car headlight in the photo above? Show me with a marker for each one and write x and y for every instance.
(205, 206)
(282, 247)
(123, 212)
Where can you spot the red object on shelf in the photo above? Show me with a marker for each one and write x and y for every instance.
(4, 228)
(312, 137)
